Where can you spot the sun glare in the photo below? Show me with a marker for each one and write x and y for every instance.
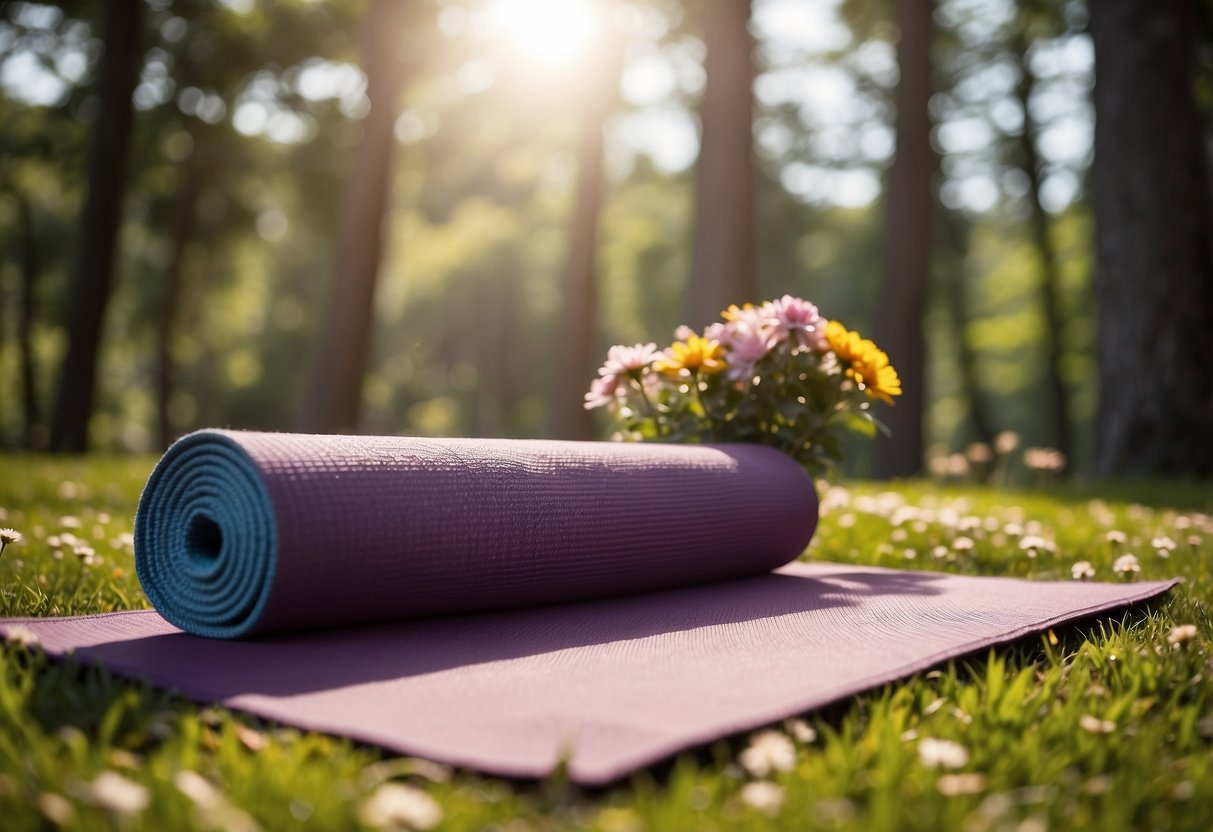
(551, 33)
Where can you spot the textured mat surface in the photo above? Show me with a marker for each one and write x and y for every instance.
(521, 602)
(243, 533)
(611, 684)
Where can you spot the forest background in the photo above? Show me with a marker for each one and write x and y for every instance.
(433, 216)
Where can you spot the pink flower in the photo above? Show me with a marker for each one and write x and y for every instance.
(603, 391)
(798, 319)
(747, 346)
(628, 361)
(622, 363)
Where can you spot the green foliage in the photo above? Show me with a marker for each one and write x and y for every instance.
(1106, 725)
(241, 157)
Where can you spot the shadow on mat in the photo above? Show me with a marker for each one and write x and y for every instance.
(296, 664)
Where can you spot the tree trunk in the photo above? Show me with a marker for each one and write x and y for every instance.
(170, 300)
(575, 351)
(335, 403)
(723, 248)
(1154, 264)
(966, 359)
(1050, 270)
(34, 432)
(121, 25)
(899, 314)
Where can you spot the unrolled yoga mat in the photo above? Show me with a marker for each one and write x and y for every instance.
(295, 536)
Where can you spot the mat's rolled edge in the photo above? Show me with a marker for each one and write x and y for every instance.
(206, 537)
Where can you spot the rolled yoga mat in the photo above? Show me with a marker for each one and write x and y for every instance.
(243, 534)
(253, 533)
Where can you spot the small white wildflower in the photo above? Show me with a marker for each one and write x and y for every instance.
(85, 554)
(197, 788)
(1082, 570)
(1126, 565)
(214, 809)
(979, 453)
(397, 806)
(1195, 541)
(764, 796)
(935, 753)
(1182, 634)
(69, 522)
(910, 554)
(801, 730)
(768, 752)
(117, 794)
(957, 465)
(56, 808)
(1116, 537)
(963, 544)
(1163, 546)
(1095, 725)
(22, 635)
(8, 537)
(1006, 441)
(939, 552)
(1012, 530)
(952, 785)
(1033, 544)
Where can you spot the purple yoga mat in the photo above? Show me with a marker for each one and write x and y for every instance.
(520, 601)
(251, 533)
(613, 684)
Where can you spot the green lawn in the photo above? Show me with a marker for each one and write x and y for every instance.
(1108, 727)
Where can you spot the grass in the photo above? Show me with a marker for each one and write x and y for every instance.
(1107, 726)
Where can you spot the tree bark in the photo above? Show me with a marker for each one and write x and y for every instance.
(121, 25)
(170, 300)
(34, 432)
(1050, 270)
(1154, 263)
(723, 247)
(335, 402)
(958, 296)
(899, 314)
(575, 351)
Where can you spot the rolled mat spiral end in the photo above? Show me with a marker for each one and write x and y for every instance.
(206, 538)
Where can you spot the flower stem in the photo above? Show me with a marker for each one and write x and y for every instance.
(658, 422)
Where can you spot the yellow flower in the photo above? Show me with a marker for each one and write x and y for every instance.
(695, 355)
(734, 311)
(847, 345)
(870, 367)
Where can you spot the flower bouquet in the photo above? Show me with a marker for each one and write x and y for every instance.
(778, 374)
